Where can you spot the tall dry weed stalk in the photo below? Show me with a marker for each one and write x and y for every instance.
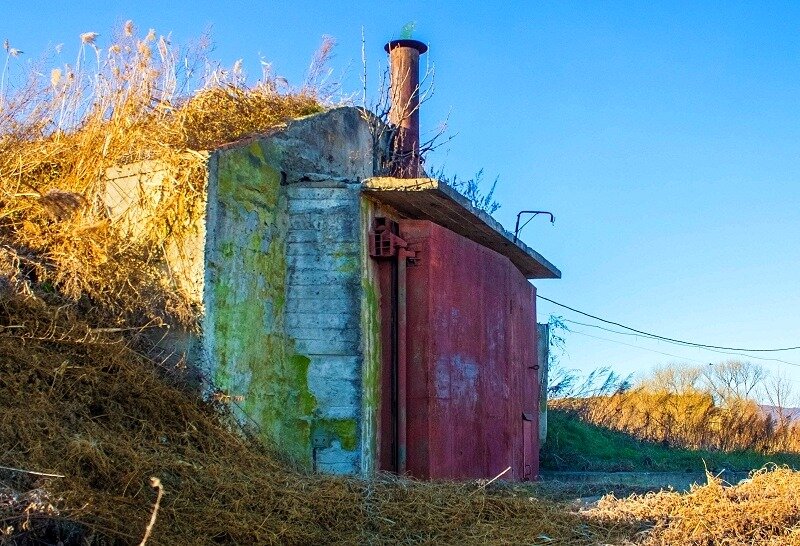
(137, 97)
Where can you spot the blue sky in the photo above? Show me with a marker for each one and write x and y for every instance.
(664, 137)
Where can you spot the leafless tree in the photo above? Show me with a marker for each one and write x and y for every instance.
(780, 393)
(675, 378)
(734, 380)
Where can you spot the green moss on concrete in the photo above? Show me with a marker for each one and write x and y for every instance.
(247, 180)
(348, 265)
(348, 258)
(298, 365)
(253, 355)
(345, 431)
(371, 332)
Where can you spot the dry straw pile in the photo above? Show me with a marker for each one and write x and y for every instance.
(763, 510)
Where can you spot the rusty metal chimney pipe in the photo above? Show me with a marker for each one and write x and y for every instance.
(404, 111)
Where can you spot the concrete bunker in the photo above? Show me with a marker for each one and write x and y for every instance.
(366, 323)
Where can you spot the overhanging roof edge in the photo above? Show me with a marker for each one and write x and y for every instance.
(431, 199)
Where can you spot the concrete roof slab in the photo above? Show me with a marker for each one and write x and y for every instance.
(431, 199)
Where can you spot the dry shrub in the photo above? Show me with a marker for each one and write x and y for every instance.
(689, 419)
(761, 511)
(136, 100)
(79, 402)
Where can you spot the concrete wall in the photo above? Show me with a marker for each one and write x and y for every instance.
(285, 295)
(323, 298)
(373, 388)
(133, 201)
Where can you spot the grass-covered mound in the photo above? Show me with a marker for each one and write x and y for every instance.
(132, 98)
(82, 404)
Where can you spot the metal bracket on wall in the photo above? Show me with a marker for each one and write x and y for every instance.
(534, 213)
(384, 241)
(412, 256)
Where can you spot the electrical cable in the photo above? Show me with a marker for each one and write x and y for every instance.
(679, 344)
(660, 352)
(673, 340)
(635, 346)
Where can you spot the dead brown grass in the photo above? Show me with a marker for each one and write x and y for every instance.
(81, 403)
(137, 99)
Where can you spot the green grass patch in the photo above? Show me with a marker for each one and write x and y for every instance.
(573, 444)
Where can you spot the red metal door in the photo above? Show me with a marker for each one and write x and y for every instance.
(471, 353)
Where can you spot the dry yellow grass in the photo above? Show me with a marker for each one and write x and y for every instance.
(761, 511)
(81, 403)
(689, 420)
(134, 100)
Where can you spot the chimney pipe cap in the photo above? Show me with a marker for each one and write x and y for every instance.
(416, 44)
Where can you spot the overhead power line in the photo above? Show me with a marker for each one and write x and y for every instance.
(572, 331)
(664, 338)
(636, 346)
(764, 358)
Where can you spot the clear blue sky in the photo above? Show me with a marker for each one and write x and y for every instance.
(665, 138)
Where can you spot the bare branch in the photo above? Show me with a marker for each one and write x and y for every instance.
(155, 483)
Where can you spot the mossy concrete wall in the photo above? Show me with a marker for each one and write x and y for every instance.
(285, 289)
(371, 346)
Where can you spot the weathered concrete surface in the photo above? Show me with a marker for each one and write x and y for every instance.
(323, 266)
(133, 194)
(372, 349)
(335, 144)
(246, 347)
(652, 481)
(284, 291)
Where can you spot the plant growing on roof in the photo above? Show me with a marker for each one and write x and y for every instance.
(141, 101)
(472, 189)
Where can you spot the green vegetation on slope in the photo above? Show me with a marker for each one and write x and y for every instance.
(573, 444)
